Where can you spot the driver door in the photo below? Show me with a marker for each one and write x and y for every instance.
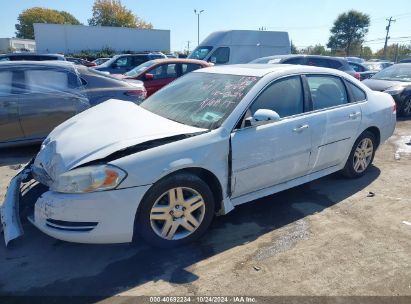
(276, 152)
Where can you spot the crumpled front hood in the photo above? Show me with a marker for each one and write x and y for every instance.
(100, 131)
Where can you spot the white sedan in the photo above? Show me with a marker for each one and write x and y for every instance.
(210, 141)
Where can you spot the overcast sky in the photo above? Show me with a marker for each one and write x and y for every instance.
(308, 22)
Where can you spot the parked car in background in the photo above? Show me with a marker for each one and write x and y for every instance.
(208, 142)
(396, 81)
(377, 65)
(313, 60)
(99, 61)
(159, 72)
(120, 64)
(81, 61)
(171, 56)
(406, 60)
(37, 96)
(355, 59)
(362, 70)
(241, 46)
(31, 57)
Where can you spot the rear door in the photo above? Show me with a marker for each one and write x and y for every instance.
(334, 120)
(49, 98)
(10, 128)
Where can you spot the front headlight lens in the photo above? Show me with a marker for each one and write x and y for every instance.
(394, 90)
(89, 179)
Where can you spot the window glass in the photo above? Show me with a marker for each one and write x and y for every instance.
(284, 97)
(357, 93)
(41, 81)
(334, 64)
(317, 62)
(200, 52)
(140, 68)
(297, 60)
(326, 91)
(201, 100)
(356, 67)
(220, 55)
(6, 79)
(187, 68)
(165, 71)
(4, 58)
(123, 61)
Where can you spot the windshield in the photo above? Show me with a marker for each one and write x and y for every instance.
(396, 72)
(109, 62)
(140, 68)
(202, 100)
(200, 52)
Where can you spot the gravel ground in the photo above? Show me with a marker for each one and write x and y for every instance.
(334, 237)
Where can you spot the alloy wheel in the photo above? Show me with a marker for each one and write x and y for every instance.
(177, 213)
(363, 155)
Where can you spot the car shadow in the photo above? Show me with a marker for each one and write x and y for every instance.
(17, 155)
(57, 268)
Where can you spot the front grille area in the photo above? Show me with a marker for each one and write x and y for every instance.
(70, 226)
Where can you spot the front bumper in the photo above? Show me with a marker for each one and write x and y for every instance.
(9, 210)
(97, 217)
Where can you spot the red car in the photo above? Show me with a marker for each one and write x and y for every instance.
(159, 72)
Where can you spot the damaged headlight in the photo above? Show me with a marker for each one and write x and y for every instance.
(89, 179)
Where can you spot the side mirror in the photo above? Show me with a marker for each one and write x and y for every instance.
(148, 76)
(213, 60)
(262, 117)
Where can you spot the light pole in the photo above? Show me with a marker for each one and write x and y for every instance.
(198, 13)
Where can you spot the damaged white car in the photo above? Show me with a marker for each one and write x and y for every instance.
(213, 139)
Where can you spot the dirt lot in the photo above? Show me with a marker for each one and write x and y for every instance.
(330, 237)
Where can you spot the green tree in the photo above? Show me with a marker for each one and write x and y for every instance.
(349, 29)
(113, 13)
(366, 53)
(294, 49)
(395, 52)
(24, 28)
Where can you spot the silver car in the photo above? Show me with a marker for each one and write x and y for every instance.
(208, 142)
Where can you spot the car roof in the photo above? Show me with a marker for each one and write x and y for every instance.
(45, 63)
(30, 54)
(304, 56)
(260, 70)
(180, 60)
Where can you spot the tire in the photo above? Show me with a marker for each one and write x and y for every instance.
(405, 109)
(176, 210)
(351, 168)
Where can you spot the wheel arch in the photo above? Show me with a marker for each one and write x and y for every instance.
(207, 176)
(376, 132)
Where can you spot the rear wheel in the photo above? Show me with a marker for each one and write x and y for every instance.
(361, 156)
(178, 209)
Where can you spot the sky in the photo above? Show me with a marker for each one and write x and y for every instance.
(307, 22)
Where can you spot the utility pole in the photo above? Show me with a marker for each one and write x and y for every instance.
(387, 37)
(188, 46)
(198, 13)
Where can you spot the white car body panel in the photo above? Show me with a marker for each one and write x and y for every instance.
(252, 159)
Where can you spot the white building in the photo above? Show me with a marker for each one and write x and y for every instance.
(65, 38)
(7, 44)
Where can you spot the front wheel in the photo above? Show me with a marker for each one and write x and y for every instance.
(178, 209)
(361, 156)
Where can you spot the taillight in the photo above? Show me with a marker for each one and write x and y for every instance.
(142, 94)
(394, 107)
(357, 75)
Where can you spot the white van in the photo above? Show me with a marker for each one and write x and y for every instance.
(238, 46)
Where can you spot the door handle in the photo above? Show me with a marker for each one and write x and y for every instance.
(300, 128)
(355, 115)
